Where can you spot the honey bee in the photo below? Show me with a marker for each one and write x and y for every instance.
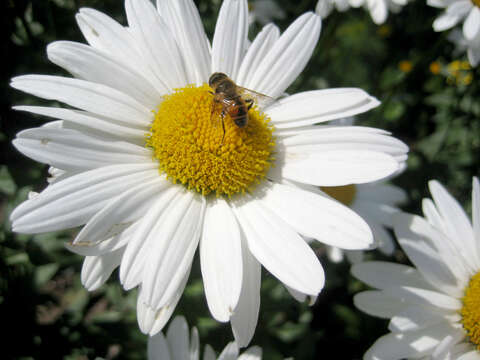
(233, 100)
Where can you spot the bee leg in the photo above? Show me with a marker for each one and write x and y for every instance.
(250, 103)
(223, 126)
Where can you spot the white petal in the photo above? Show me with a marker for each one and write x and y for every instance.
(416, 296)
(156, 43)
(121, 212)
(176, 239)
(311, 107)
(256, 52)
(382, 275)
(431, 214)
(96, 98)
(445, 22)
(333, 167)
(317, 216)
(431, 252)
(301, 297)
(476, 211)
(379, 304)
(253, 353)
(194, 344)
(378, 10)
(105, 246)
(471, 355)
(140, 246)
(184, 21)
(348, 138)
(288, 57)
(209, 354)
(71, 202)
(456, 221)
(245, 316)
(432, 268)
(413, 344)
(230, 38)
(107, 35)
(84, 62)
(97, 269)
(107, 127)
(419, 317)
(72, 151)
(157, 348)
(221, 259)
(178, 340)
(151, 321)
(230, 352)
(474, 55)
(280, 249)
(471, 26)
(381, 193)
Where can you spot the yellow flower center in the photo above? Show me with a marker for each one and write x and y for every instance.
(344, 194)
(476, 3)
(471, 310)
(188, 141)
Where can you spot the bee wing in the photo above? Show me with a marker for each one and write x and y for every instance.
(261, 100)
(216, 115)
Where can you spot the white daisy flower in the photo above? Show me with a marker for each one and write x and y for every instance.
(434, 307)
(375, 203)
(264, 11)
(455, 12)
(177, 344)
(153, 173)
(378, 9)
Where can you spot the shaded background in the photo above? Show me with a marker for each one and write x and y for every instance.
(430, 100)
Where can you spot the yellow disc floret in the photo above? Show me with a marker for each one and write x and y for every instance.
(189, 143)
(471, 310)
(476, 3)
(345, 194)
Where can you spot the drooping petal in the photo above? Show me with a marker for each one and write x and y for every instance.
(221, 259)
(97, 269)
(157, 348)
(245, 316)
(119, 214)
(280, 249)
(140, 246)
(317, 216)
(176, 239)
(73, 201)
(178, 339)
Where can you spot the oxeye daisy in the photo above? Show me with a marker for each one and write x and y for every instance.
(152, 171)
(179, 344)
(433, 307)
(456, 11)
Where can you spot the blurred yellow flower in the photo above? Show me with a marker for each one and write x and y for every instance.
(435, 67)
(405, 66)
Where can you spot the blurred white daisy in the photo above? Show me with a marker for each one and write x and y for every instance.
(462, 45)
(434, 307)
(179, 344)
(455, 12)
(378, 9)
(264, 11)
(375, 203)
(152, 176)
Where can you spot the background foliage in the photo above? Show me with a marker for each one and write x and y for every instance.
(429, 100)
